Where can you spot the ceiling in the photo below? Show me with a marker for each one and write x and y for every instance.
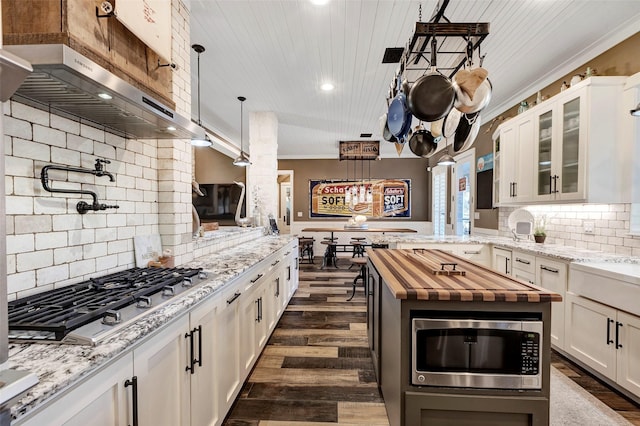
(277, 53)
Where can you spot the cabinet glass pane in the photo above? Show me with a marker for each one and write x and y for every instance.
(570, 145)
(544, 153)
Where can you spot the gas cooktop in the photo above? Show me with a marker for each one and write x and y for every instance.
(90, 311)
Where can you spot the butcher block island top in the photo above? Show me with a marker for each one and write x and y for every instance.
(436, 275)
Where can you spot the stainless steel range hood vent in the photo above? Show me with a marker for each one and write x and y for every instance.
(66, 83)
(13, 71)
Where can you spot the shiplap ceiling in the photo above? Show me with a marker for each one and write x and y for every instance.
(277, 53)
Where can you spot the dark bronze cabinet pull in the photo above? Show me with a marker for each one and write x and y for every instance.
(257, 278)
(618, 344)
(609, 321)
(134, 397)
(233, 298)
(548, 269)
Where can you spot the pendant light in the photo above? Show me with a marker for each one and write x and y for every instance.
(446, 159)
(200, 141)
(242, 160)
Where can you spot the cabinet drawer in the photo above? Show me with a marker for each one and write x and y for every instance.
(524, 262)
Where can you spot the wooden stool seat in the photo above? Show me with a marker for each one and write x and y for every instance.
(305, 247)
(359, 261)
(330, 254)
(358, 238)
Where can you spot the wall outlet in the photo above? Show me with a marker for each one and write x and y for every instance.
(299, 214)
(588, 227)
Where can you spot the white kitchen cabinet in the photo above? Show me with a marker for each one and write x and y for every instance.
(501, 260)
(101, 400)
(229, 379)
(523, 266)
(552, 275)
(553, 152)
(175, 384)
(162, 380)
(590, 334)
(204, 377)
(628, 362)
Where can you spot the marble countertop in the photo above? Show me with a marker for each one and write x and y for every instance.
(59, 366)
(565, 253)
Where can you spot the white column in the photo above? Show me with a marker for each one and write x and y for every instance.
(262, 176)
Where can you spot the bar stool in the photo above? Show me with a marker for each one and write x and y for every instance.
(305, 247)
(362, 262)
(358, 246)
(330, 257)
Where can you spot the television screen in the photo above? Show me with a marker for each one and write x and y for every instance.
(219, 203)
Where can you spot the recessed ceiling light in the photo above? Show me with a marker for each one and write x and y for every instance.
(105, 96)
(319, 2)
(171, 128)
(327, 87)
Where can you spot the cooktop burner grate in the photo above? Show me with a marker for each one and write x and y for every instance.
(62, 310)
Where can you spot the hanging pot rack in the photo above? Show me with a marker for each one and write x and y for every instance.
(415, 58)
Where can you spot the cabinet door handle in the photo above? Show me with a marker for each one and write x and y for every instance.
(257, 278)
(275, 263)
(548, 269)
(471, 252)
(506, 265)
(515, 189)
(199, 330)
(555, 184)
(618, 326)
(134, 397)
(190, 367)
(288, 273)
(297, 261)
(257, 310)
(609, 322)
(550, 184)
(278, 287)
(233, 298)
(526, 262)
(287, 253)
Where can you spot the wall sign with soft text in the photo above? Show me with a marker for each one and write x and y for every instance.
(389, 198)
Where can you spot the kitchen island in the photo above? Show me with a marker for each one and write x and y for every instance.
(406, 288)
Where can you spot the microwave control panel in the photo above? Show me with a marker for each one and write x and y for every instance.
(530, 351)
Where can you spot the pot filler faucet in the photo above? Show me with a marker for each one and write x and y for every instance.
(82, 206)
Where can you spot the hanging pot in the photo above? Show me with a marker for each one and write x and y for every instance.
(386, 133)
(480, 99)
(422, 143)
(399, 116)
(437, 129)
(451, 122)
(432, 95)
(466, 132)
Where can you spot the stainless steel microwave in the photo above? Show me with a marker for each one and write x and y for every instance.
(477, 353)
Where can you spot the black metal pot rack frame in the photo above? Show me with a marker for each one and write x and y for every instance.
(420, 45)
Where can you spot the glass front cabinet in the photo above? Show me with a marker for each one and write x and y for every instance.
(578, 154)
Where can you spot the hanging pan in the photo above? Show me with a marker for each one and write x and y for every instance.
(451, 122)
(386, 133)
(422, 143)
(466, 132)
(432, 95)
(473, 88)
(399, 116)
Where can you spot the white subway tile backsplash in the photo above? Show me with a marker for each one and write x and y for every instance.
(81, 268)
(102, 150)
(32, 224)
(97, 249)
(79, 143)
(81, 237)
(107, 262)
(30, 114)
(65, 156)
(48, 241)
(49, 136)
(91, 132)
(21, 281)
(52, 274)
(19, 205)
(67, 255)
(34, 260)
(65, 124)
(20, 243)
(17, 128)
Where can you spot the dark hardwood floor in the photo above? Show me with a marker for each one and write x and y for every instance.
(316, 368)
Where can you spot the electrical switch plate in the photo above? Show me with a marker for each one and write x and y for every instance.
(299, 214)
(588, 227)
(476, 215)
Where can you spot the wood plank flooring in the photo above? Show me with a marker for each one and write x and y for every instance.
(316, 369)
